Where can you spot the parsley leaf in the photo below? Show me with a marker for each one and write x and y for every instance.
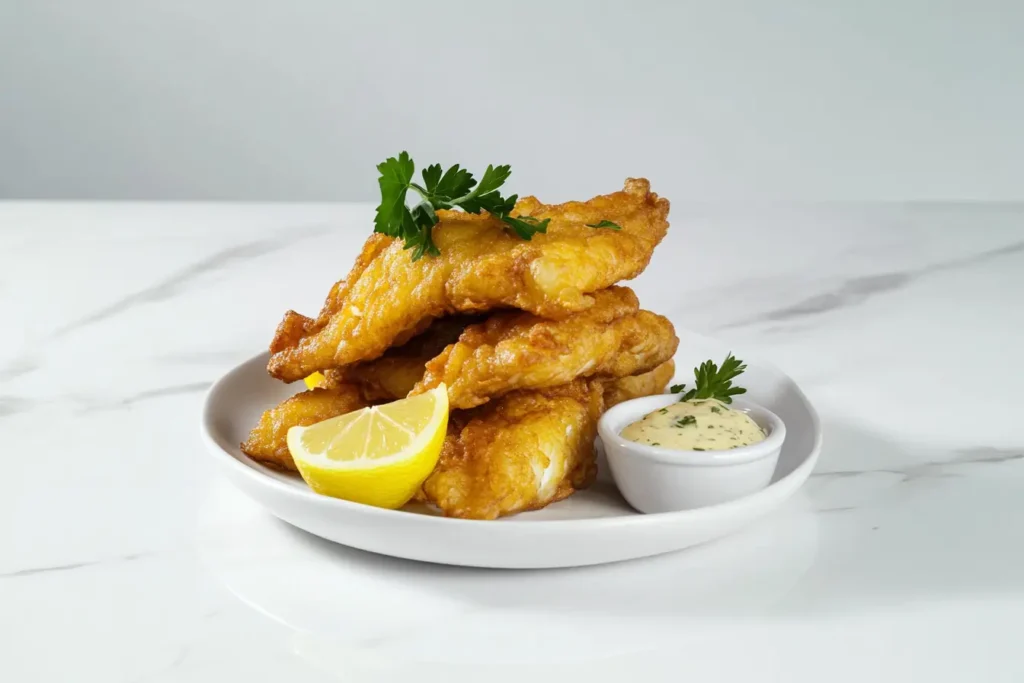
(716, 383)
(526, 226)
(455, 188)
(605, 224)
(456, 182)
(420, 238)
(494, 177)
(431, 177)
(395, 176)
(492, 202)
(677, 388)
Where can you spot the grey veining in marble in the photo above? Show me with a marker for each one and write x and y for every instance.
(148, 395)
(74, 565)
(211, 357)
(12, 405)
(940, 468)
(173, 284)
(856, 290)
(18, 367)
(124, 557)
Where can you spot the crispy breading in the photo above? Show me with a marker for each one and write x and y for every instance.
(294, 326)
(625, 388)
(509, 351)
(385, 379)
(523, 451)
(519, 452)
(268, 440)
(394, 374)
(481, 266)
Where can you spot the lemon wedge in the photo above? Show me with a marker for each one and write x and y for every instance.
(314, 380)
(377, 456)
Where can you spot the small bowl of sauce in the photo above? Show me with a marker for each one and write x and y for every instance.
(667, 455)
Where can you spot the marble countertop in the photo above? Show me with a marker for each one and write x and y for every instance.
(125, 557)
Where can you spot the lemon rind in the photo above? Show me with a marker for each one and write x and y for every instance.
(321, 461)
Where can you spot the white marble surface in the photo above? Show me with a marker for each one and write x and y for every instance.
(124, 556)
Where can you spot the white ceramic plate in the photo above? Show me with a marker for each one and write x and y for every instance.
(591, 527)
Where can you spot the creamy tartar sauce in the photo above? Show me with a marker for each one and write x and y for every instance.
(696, 425)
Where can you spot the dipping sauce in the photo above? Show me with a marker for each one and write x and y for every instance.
(697, 425)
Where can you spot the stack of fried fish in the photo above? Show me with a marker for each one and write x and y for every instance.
(532, 338)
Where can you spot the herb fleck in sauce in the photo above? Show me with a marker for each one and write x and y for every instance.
(698, 425)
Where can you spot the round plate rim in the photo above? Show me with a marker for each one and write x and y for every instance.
(253, 471)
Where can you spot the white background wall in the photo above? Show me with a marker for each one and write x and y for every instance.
(252, 99)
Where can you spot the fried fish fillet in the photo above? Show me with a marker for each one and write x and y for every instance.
(268, 440)
(514, 350)
(520, 452)
(393, 375)
(649, 383)
(481, 266)
(294, 326)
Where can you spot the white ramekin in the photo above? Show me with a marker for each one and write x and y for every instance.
(657, 479)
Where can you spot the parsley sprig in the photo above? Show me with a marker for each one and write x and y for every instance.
(712, 382)
(453, 188)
